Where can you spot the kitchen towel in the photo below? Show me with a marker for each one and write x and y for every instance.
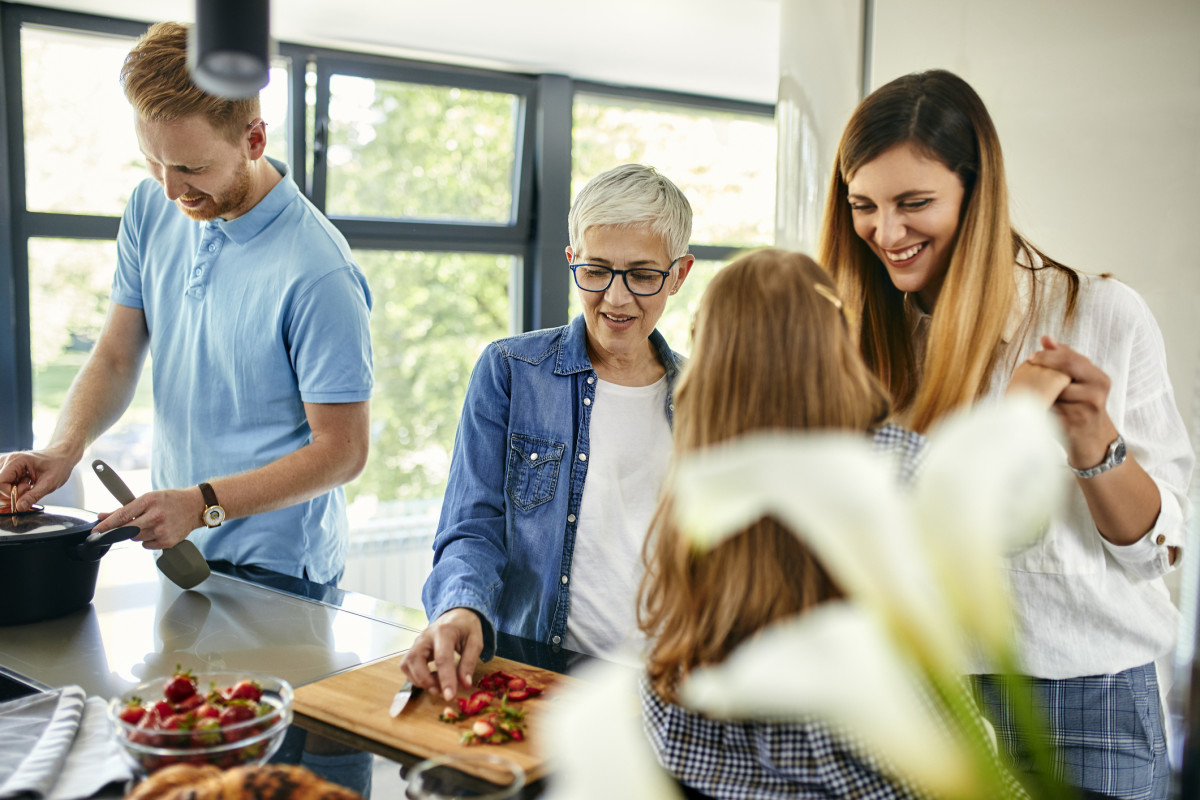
(57, 746)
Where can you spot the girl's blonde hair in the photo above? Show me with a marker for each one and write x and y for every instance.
(941, 116)
(771, 351)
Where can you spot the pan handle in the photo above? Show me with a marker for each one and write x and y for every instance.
(97, 544)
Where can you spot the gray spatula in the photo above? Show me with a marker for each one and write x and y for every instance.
(182, 563)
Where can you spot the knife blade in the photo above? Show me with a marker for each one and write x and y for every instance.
(401, 699)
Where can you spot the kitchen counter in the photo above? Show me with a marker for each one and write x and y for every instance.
(141, 626)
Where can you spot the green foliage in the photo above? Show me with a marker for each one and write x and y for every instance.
(434, 313)
(403, 150)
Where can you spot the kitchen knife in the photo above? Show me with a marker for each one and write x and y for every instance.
(183, 563)
(401, 699)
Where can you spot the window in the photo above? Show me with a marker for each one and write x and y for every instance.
(723, 160)
(430, 173)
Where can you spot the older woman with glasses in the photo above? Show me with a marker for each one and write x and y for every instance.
(563, 444)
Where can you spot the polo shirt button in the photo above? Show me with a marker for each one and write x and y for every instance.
(671, 406)
(1161, 539)
(533, 456)
(570, 517)
(564, 580)
(556, 639)
(197, 272)
(587, 401)
(583, 456)
(212, 248)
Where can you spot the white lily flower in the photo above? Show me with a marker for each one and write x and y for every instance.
(595, 741)
(839, 497)
(836, 663)
(990, 481)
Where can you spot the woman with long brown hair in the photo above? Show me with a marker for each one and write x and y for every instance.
(950, 305)
(771, 351)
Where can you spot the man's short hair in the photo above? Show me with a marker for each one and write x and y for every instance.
(160, 89)
(633, 195)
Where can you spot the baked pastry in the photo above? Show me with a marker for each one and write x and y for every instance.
(265, 782)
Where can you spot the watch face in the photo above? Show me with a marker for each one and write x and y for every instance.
(214, 516)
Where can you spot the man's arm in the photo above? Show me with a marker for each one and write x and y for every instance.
(98, 396)
(336, 455)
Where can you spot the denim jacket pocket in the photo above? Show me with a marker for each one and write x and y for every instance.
(532, 470)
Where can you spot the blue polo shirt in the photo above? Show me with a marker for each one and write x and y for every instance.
(248, 320)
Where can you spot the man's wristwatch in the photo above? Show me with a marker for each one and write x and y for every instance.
(1114, 458)
(213, 514)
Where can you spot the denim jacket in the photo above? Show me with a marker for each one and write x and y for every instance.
(507, 529)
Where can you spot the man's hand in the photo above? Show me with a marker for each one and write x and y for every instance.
(165, 518)
(457, 631)
(1081, 406)
(1044, 383)
(35, 474)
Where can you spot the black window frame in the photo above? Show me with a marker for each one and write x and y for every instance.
(536, 233)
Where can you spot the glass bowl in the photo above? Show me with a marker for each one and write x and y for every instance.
(187, 736)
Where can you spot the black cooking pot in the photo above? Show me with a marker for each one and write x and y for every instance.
(48, 562)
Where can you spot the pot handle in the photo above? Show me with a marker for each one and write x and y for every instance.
(97, 544)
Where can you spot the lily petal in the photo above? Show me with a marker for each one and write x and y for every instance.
(991, 480)
(593, 736)
(842, 668)
(842, 499)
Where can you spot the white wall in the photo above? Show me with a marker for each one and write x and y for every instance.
(1097, 103)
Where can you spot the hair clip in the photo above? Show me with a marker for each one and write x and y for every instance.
(829, 295)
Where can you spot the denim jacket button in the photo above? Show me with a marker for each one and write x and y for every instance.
(564, 579)
(583, 456)
(570, 517)
(556, 639)
(587, 401)
(533, 456)
(591, 380)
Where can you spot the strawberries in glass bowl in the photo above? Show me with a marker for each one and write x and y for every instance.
(221, 718)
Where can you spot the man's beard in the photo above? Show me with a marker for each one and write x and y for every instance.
(231, 199)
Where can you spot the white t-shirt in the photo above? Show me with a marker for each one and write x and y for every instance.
(630, 450)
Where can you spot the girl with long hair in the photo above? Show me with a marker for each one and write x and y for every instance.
(949, 304)
(771, 351)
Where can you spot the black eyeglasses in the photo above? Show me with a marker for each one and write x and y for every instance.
(642, 281)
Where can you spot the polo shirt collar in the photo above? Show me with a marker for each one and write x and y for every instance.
(252, 223)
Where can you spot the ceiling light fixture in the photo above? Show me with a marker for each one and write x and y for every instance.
(228, 47)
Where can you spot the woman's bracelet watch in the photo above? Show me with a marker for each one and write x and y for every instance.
(1114, 458)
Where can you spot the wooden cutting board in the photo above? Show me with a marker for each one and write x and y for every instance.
(357, 701)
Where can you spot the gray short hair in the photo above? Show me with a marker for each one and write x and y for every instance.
(633, 195)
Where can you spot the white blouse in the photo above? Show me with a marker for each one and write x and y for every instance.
(1083, 605)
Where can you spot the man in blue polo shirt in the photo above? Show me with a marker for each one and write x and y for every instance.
(255, 315)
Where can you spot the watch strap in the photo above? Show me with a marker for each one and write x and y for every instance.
(1113, 457)
(210, 497)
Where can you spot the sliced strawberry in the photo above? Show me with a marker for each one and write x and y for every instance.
(478, 702)
(450, 714)
(517, 735)
(518, 694)
(516, 683)
(462, 704)
(534, 691)
(483, 729)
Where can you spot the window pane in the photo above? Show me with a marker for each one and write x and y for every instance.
(724, 162)
(81, 152)
(676, 322)
(69, 282)
(274, 102)
(433, 315)
(403, 150)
